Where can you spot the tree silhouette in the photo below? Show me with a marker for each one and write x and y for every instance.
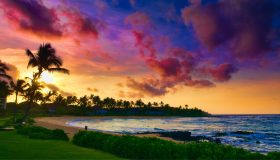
(45, 60)
(60, 100)
(18, 87)
(96, 101)
(31, 93)
(155, 104)
(83, 101)
(4, 88)
(126, 104)
(5, 91)
(3, 71)
(70, 100)
(139, 103)
(48, 97)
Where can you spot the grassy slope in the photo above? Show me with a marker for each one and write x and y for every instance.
(14, 146)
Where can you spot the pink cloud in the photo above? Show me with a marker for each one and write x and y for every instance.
(78, 23)
(165, 67)
(177, 66)
(31, 16)
(145, 44)
(220, 73)
(36, 18)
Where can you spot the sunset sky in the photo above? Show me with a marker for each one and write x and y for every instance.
(221, 56)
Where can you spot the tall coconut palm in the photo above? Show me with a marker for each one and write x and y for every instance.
(45, 60)
(18, 87)
(3, 71)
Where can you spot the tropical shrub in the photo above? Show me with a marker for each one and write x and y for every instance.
(36, 132)
(153, 148)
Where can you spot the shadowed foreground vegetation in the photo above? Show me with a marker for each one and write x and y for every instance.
(36, 132)
(153, 148)
(15, 146)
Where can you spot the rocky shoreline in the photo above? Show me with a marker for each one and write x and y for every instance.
(184, 136)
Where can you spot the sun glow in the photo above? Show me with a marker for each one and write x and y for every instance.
(47, 77)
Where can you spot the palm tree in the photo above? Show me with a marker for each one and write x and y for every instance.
(39, 96)
(161, 104)
(132, 103)
(31, 93)
(18, 87)
(70, 100)
(155, 104)
(5, 91)
(126, 104)
(31, 88)
(109, 102)
(96, 101)
(139, 103)
(4, 87)
(48, 96)
(84, 101)
(45, 60)
(120, 103)
(3, 71)
(60, 100)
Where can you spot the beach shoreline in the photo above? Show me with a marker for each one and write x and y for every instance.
(60, 123)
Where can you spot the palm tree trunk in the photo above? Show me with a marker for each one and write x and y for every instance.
(5, 103)
(16, 97)
(27, 110)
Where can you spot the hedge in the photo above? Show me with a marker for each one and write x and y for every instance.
(153, 148)
(36, 132)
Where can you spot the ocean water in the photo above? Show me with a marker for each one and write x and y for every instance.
(265, 128)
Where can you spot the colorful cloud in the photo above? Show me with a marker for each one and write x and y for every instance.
(151, 49)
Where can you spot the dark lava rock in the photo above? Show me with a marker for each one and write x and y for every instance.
(177, 135)
(243, 132)
(220, 134)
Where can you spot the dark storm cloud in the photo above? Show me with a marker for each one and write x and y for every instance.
(245, 27)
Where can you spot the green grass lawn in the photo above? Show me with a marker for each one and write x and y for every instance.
(3, 120)
(14, 146)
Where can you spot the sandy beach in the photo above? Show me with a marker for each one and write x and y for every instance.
(60, 123)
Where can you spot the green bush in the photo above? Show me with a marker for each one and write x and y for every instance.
(154, 148)
(59, 135)
(36, 132)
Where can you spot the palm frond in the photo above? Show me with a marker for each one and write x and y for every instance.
(30, 54)
(3, 66)
(3, 75)
(32, 59)
(61, 70)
